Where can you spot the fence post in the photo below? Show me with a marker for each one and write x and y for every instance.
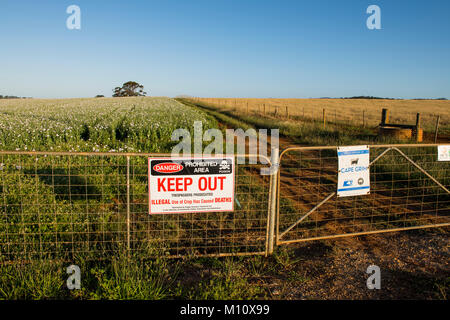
(128, 203)
(437, 129)
(417, 126)
(384, 117)
(324, 120)
(272, 200)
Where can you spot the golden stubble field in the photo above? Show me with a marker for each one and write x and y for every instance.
(352, 111)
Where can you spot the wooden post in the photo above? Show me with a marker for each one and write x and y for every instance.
(418, 120)
(364, 119)
(437, 129)
(417, 126)
(287, 112)
(384, 117)
(247, 108)
(324, 118)
(264, 108)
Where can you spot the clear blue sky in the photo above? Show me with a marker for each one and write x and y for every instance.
(226, 48)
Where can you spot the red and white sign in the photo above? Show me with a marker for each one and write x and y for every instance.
(182, 185)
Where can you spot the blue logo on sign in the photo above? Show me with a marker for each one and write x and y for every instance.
(348, 183)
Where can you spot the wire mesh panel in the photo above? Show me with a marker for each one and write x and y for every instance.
(242, 231)
(409, 189)
(60, 205)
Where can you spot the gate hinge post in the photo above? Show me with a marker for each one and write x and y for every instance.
(272, 199)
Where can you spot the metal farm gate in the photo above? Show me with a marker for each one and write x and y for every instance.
(409, 190)
(66, 204)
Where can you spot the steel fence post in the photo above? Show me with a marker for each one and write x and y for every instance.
(272, 199)
(128, 203)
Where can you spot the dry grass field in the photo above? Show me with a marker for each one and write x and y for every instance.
(352, 111)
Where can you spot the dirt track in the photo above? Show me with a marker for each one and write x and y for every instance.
(414, 264)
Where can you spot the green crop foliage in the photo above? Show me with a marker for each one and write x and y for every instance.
(110, 125)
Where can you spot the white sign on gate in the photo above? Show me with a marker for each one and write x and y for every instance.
(354, 173)
(444, 153)
(180, 185)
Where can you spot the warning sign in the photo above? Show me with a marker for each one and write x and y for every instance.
(354, 174)
(179, 185)
(444, 153)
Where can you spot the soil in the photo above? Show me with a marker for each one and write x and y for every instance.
(413, 265)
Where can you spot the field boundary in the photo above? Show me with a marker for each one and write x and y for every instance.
(96, 202)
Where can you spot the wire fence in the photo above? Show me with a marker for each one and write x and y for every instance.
(58, 205)
(408, 190)
(340, 112)
(61, 205)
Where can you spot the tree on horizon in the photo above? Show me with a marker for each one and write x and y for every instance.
(129, 89)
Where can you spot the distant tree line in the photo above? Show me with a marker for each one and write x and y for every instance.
(11, 97)
(430, 99)
(372, 97)
(367, 97)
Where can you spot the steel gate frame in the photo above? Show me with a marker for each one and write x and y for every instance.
(128, 211)
(389, 147)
